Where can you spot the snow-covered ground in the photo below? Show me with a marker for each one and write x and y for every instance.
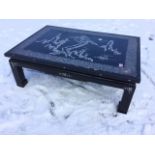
(54, 105)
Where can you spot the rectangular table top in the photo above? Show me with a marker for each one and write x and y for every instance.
(100, 54)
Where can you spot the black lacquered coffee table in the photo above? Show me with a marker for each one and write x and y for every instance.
(108, 59)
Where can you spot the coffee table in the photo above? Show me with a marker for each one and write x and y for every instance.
(103, 58)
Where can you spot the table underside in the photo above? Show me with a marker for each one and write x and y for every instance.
(129, 88)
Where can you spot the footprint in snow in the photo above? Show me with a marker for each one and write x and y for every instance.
(151, 37)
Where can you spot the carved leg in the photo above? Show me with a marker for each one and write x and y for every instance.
(126, 99)
(18, 74)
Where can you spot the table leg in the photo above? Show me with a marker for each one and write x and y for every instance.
(126, 99)
(18, 73)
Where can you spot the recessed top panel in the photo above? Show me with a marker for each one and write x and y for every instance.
(101, 54)
(71, 45)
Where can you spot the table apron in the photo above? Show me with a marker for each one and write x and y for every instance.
(72, 74)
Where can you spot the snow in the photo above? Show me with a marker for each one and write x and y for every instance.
(55, 105)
